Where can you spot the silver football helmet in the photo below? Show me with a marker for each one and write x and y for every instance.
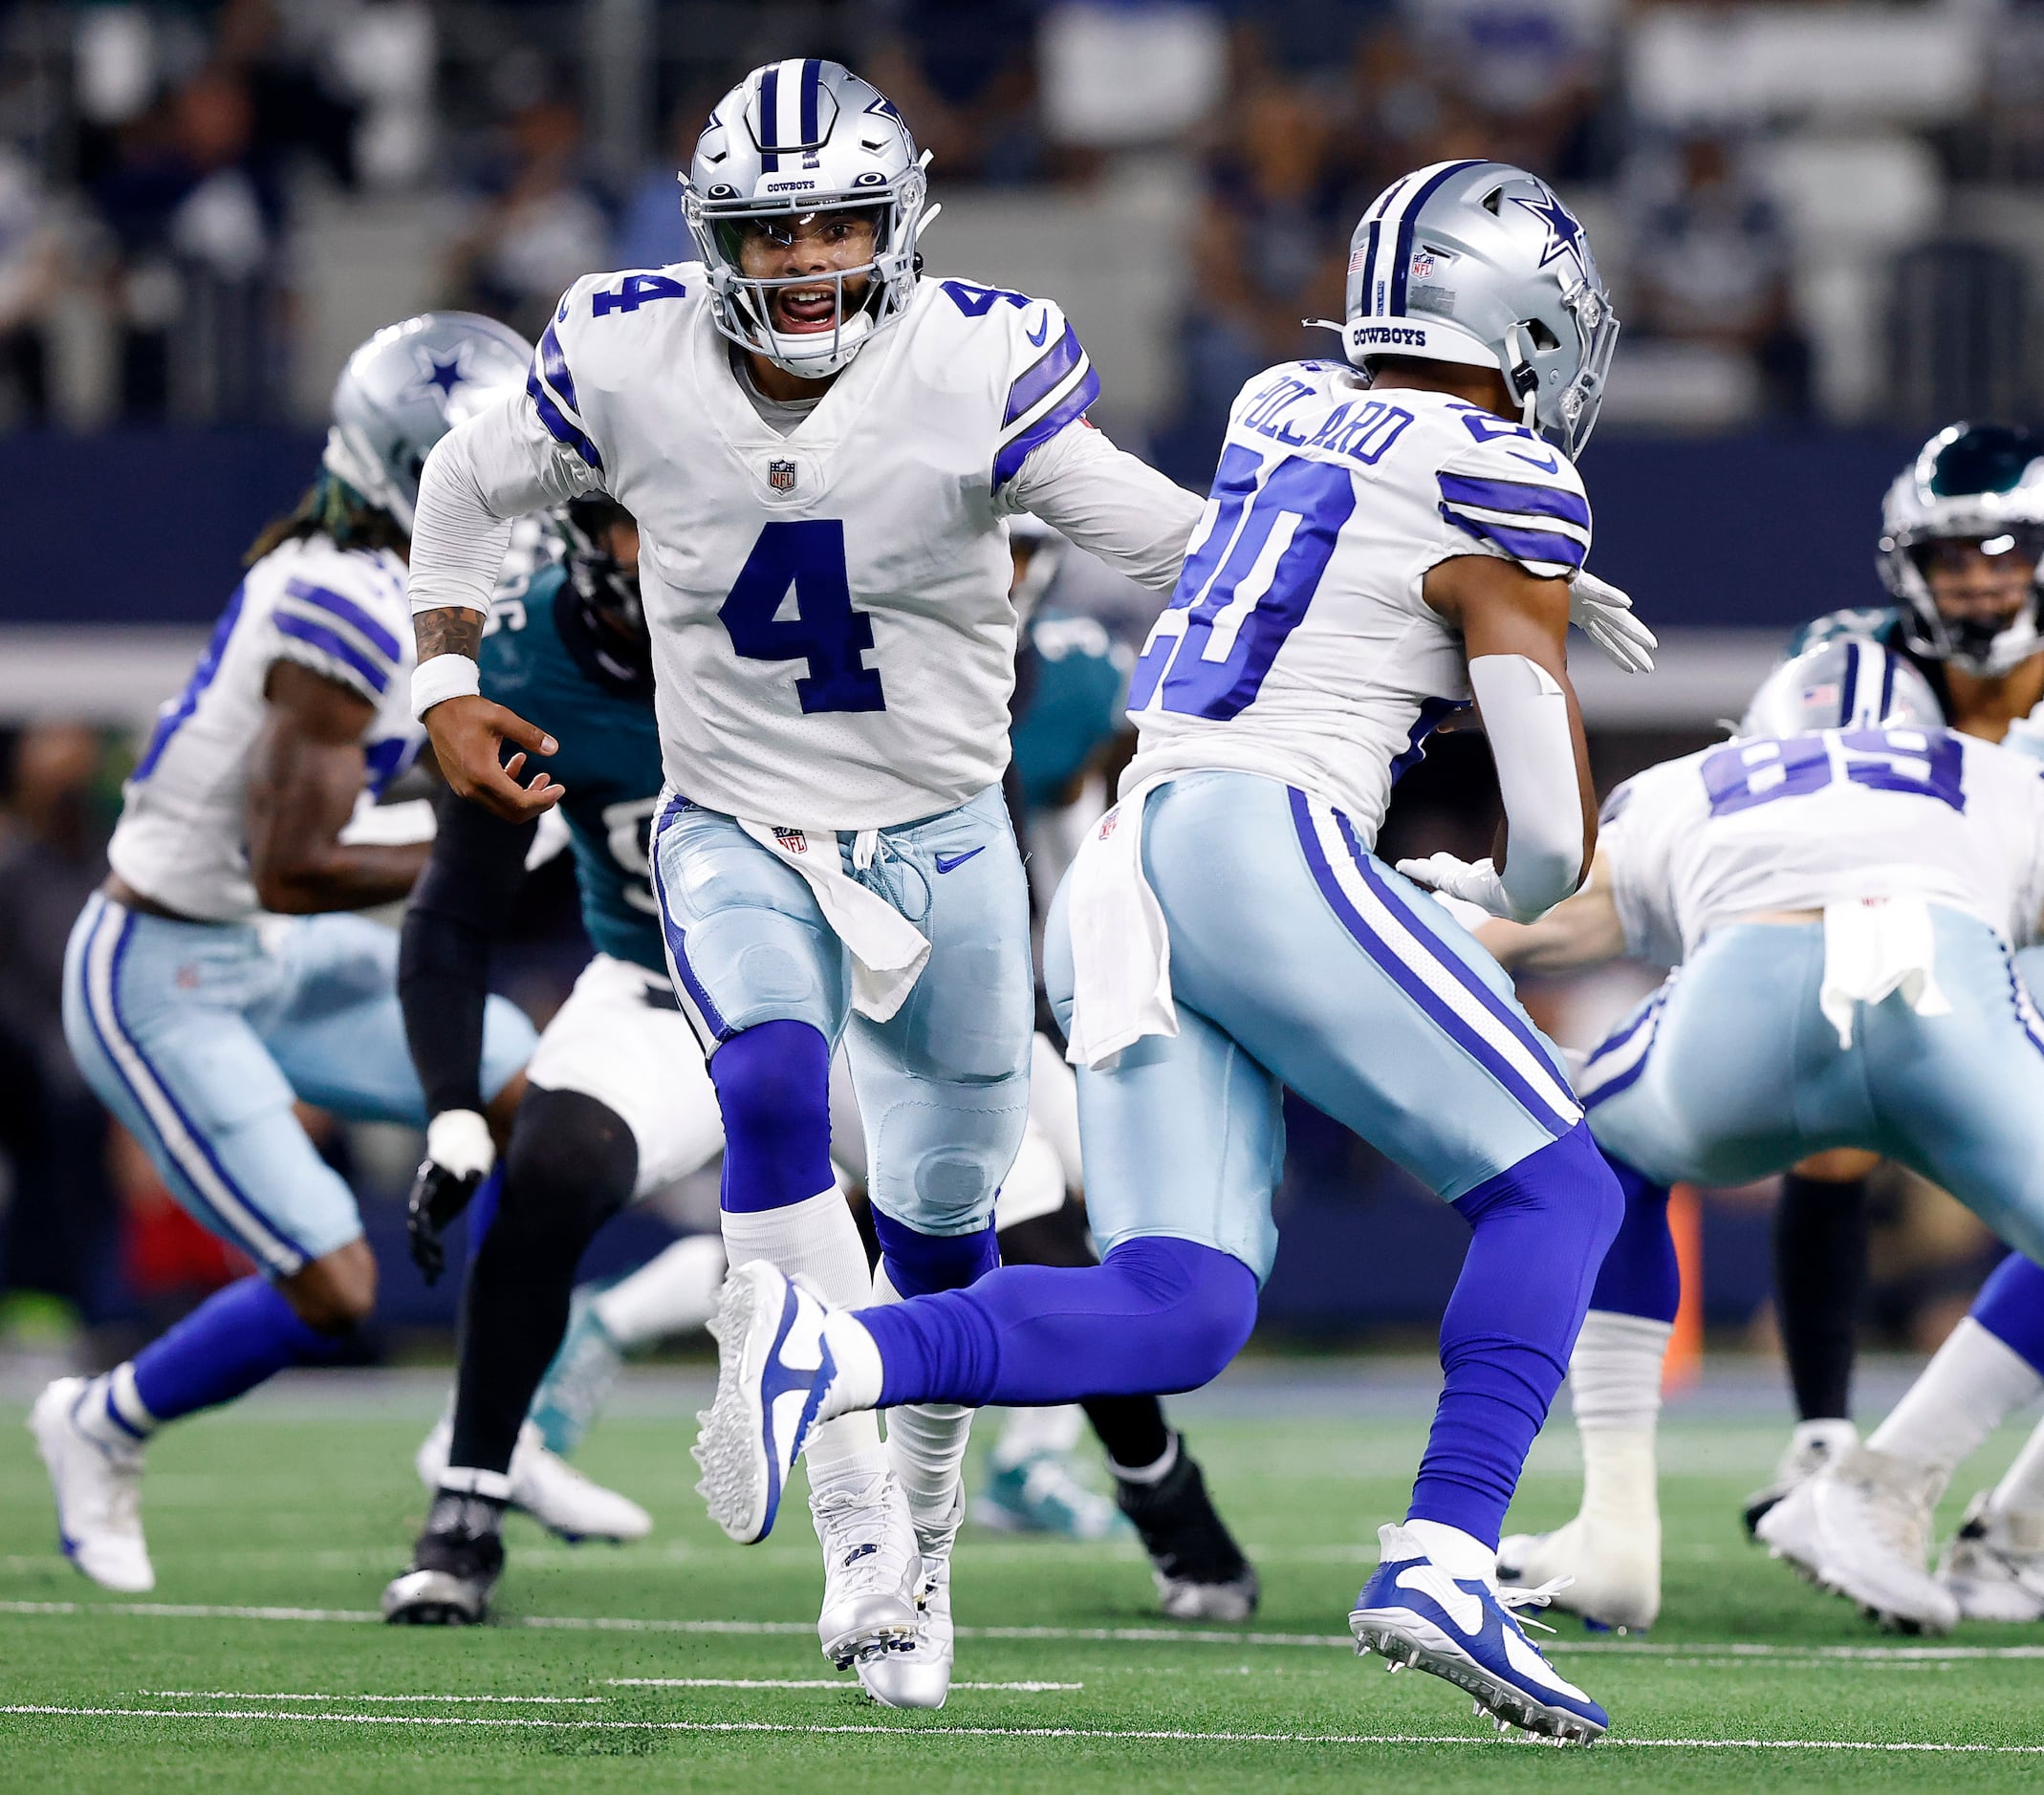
(792, 140)
(1845, 684)
(405, 388)
(1981, 482)
(1480, 263)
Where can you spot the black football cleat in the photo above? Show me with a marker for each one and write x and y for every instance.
(1200, 1571)
(455, 1566)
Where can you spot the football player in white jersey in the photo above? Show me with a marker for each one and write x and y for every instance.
(819, 448)
(1842, 905)
(217, 976)
(1387, 541)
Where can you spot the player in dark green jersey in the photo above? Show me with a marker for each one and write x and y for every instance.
(621, 1104)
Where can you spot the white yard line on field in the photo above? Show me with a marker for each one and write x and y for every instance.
(258, 1694)
(793, 1682)
(1106, 1636)
(1167, 1734)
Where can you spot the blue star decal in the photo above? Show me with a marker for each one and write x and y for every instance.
(1564, 236)
(445, 375)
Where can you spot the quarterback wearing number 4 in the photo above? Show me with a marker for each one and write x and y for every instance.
(820, 449)
(1386, 541)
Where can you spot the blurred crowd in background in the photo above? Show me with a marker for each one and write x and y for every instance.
(1808, 211)
(1815, 217)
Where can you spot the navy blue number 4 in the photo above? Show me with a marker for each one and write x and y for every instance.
(807, 553)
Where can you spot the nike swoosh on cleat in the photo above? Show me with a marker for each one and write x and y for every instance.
(1042, 330)
(952, 862)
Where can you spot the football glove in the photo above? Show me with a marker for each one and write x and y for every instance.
(459, 1154)
(1604, 613)
(1475, 883)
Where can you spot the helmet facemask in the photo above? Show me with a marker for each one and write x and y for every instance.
(605, 589)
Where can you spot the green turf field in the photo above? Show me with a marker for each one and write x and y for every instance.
(686, 1662)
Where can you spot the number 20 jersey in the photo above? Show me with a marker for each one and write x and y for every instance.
(833, 641)
(1801, 822)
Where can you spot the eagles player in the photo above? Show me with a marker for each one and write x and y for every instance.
(818, 447)
(1962, 532)
(217, 977)
(1384, 544)
(1842, 905)
(618, 1105)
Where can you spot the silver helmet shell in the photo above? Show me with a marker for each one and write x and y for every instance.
(793, 139)
(1846, 683)
(405, 388)
(1480, 263)
(1982, 483)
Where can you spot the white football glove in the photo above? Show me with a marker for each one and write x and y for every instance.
(1604, 613)
(1475, 882)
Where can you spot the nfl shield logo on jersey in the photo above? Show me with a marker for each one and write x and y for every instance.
(780, 476)
(792, 840)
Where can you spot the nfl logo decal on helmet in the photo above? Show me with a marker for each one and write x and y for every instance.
(780, 476)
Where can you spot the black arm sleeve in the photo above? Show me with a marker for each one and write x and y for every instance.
(457, 909)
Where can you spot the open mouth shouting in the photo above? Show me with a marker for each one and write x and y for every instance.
(806, 309)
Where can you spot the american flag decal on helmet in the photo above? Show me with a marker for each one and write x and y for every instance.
(780, 476)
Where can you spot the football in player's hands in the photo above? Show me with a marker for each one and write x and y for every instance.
(1474, 881)
(459, 1154)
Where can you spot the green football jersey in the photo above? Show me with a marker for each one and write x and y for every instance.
(534, 661)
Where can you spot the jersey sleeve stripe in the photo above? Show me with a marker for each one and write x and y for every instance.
(338, 646)
(325, 599)
(1070, 405)
(554, 364)
(1036, 381)
(566, 434)
(1544, 551)
(1516, 495)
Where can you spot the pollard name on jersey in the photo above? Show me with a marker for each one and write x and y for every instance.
(1809, 820)
(833, 639)
(609, 759)
(343, 613)
(1297, 645)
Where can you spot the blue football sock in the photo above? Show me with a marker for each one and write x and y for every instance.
(1539, 1231)
(232, 1342)
(2010, 1307)
(1157, 1316)
(1639, 1275)
(921, 1264)
(774, 1085)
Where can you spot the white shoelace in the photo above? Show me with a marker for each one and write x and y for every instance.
(851, 1514)
(1512, 1599)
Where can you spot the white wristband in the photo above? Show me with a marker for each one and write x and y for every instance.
(459, 1141)
(443, 676)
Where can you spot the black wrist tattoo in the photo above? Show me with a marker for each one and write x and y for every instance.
(450, 629)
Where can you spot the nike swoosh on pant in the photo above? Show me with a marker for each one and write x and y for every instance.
(952, 862)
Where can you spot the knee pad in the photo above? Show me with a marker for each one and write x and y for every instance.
(572, 1165)
(937, 1166)
(774, 1088)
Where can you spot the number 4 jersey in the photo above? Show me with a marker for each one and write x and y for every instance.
(1297, 645)
(1809, 820)
(827, 591)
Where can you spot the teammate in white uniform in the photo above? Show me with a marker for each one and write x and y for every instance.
(1842, 906)
(819, 448)
(216, 977)
(1386, 541)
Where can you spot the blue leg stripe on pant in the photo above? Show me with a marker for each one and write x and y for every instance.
(1456, 999)
(183, 1143)
(1622, 1060)
(676, 937)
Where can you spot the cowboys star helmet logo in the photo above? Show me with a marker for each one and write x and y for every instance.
(1564, 234)
(780, 476)
(437, 375)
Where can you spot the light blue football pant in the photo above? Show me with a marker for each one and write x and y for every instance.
(200, 1035)
(1730, 1072)
(1298, 959)
(943, 1085)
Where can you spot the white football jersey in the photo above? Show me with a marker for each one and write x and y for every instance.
(833, 641)
(1297, 645)
(182, 838)
(1804, 821)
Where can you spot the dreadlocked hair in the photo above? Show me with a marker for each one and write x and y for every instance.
(331, 507)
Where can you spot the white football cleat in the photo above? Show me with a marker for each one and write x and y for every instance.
(1872, 1513)
(772, 1370)
(1994, 1569)
(869, 1564)
(1788, 1529)
(98, 1492)
(1612, 1572)
(548, 1488)
(917, 1674)
(1813, 1446)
